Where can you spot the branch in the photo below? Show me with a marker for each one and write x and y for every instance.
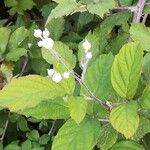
(138, 12)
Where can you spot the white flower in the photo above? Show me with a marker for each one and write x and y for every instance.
(40, 43)
(56, 77)
(50, 72)
(45, 33)
(88, 55)
(86, 45)
(37, 33)
(48, 43)
(66, 75)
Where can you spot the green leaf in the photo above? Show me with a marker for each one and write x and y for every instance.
(4, 38)
(98, 77)
(22, 124)
(56, 27)
(43, 140)
(100, 7)
(77, 108)
(144, 128)
(125, 2)
(15, 54)
(12, 147)
(125, 119)
(146, 67)
(52, 109)
(17, 37)
(79, 137)
(126, 70)
(107, 138)
(33, 135)
(127, 145)
(29, 91)
(27, 145)
(65, 54)
(145, 99)
(140, 33)
(19, 6)
(64, 8)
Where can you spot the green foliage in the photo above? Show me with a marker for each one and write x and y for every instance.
(126, 70)
(120, 117)
(74, 136)
(74, 75)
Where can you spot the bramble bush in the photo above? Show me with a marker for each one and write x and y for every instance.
(74, 75)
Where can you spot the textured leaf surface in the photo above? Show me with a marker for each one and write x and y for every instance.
(29, 91)
(140, 33)
(72, 136)
(98, 76)
(15, 54)
(77, 108)
(146, 98)
(56, 27)
(127, 145)
(100, 7)
(126, 70)
(64, 8)
(125, 119)
(108, 137)
(50, 109)
(144, 128)
(17, 37)
(4, 38)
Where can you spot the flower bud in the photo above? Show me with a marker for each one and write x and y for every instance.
(48, 43)
(56, 77)
(50, 72)
(86, 45)
(37, 33)
(46, 33)
(66, 75)
(88, 55)
(40, 44)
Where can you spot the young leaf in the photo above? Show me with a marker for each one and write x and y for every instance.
(4, 38)
(140, 33)
(125, 119)
(33, 135)
(98, 76)
(77, 108)
(29, 91)
(100, 7)
(27, 145)
(127, 145)
(108, 137)
(51, 109)
(17, 37)
(79, 137)
(126, 70)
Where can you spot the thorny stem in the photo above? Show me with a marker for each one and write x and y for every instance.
(3, 135)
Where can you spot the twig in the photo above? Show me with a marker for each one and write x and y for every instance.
(24, 66)
(144, 18)
(52, 128)
(4, 132)
(138, 12)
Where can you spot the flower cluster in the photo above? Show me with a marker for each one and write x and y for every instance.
(88, 54)
(57, 77)
(45, 41)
